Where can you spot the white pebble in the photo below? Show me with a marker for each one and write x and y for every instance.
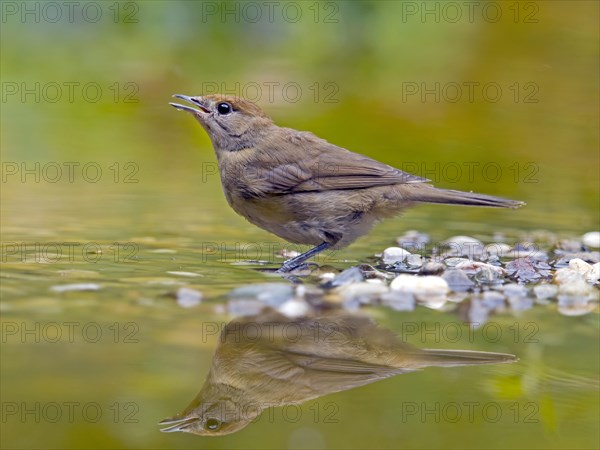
(363, 292)
(414, 261)
(497, 249)
(593, 276)
(430, 289)
(514, 290)
(574, 306)
(464, 246)
(399, 301)
(566, 275)
(184, 274)
(578, 288)
(294, 308)
(187, 297)
(544, 291)
(454, 262)
(392, 255)
(591, 239)
(477, 266)
(579, 265)
(76, 287)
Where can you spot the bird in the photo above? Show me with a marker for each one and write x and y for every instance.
(302, 188)
(272, 360)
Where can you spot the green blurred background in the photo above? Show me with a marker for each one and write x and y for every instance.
(379, 78)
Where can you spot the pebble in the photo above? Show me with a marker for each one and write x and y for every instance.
(371, 273)
(591, 239)
(413, 239)
(578, 288)
(432, 268)
(527, 269)
(430, 290)
(453, 262)
(566, 275)
(497, 249)
(489, 276)
(545, 291)
(414, 261)
(245, 307)
(593, 276)
(457, 280)
(477, 313)
(514, 290)
(187, 297)
(464, 246)
(569, 305)
(76, 287)
(348, 276)
(520, 303)
(184, 274)
(516, 294)
(457, 297)
(570, 245)
(528, 250)
(399, 301)
(294, 308)
(493, 300)
(364, 292)
(393, 255)
(271, 294)
(579, 265)
(473, 267)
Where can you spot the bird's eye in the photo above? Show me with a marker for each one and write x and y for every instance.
(224, 108)
(213, 424)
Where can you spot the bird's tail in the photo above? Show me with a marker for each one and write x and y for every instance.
(449, 358)
(430, 194)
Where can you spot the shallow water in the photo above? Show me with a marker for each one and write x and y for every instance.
(100, 367)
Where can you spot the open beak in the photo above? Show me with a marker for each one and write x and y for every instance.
(202, 109)
(179, 424)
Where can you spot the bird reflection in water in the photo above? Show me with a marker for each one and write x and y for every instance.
(271, 360)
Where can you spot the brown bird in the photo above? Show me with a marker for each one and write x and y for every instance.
(272, 361)
(302, 188)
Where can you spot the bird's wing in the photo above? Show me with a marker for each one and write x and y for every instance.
(332, 168)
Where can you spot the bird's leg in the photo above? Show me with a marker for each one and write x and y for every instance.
(296, 261)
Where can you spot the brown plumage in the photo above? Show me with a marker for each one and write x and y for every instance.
(259, 362)
(302, 188)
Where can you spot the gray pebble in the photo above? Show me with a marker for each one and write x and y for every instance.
(514, 290)
(457, 280)
(348, 276)
(478, 313)
(493, 300)
(574, 305)
(244, 307)
(399, 301)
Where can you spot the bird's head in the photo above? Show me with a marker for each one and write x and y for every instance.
(232, 123)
